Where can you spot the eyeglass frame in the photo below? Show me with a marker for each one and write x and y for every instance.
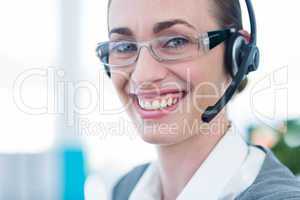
(207, 40)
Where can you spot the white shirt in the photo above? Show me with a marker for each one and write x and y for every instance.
(230, 168)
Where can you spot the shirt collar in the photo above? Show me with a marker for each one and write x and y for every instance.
(210, 178)
(216, 171)
(149, 185)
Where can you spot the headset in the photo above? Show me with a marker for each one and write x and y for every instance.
(241, 58)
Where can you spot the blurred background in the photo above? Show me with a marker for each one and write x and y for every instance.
(63, 132)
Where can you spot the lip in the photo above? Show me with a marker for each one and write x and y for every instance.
(156, 114)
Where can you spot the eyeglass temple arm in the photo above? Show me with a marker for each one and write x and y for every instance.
(217, 37)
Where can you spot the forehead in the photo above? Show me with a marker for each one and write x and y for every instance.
(141, 15)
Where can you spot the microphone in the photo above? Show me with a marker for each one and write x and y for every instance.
(249, 64)
(249, 55)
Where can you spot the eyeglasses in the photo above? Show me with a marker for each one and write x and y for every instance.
(122, 53)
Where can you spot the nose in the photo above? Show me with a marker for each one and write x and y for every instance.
(147, 69)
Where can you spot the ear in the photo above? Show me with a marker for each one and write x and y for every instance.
(245, 34)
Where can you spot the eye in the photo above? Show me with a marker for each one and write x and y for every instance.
(176, 42)
(123, 47)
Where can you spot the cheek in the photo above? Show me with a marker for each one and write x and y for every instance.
(205, 77)
(209, 71)
(207, 68)
(119, 78)
(206, 71)
(119, 81)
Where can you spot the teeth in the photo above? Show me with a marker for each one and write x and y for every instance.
(170, 101)
(157, 104)
(141, 103)
(175, 101)
(163, 103)
(147, 105)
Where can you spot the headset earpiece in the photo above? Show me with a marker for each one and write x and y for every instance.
(234, 53)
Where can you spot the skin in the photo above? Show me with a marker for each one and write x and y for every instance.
(181, 149)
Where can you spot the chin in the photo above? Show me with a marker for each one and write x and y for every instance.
(160, 138)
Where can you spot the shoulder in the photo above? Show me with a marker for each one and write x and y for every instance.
(122, 189)
(274, 181)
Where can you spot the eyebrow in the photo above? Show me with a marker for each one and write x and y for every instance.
(121, 31)
(158, 27)
(167, 24)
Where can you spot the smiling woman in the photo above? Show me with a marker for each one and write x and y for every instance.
(194, 50)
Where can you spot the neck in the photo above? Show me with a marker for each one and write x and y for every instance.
(178, 163)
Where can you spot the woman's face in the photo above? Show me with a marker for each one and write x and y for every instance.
(201, 79)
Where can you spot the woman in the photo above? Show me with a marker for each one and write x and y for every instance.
(166, 78)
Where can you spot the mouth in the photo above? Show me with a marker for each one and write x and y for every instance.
(157, 106)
